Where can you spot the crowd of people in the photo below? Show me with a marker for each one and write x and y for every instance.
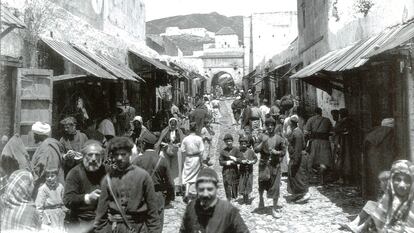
(103, 180)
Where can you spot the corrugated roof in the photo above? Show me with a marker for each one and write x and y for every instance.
(9, 19)
(403, 33)
(358, 54)
(226, 31)
(155, 63)
(119, 70)
(78, 58)
(320, 64)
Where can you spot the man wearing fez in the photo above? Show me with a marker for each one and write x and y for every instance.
(209, 214)
(82, 187)
(158, 168)
(72, 141)
(128, 201)
(47, 156)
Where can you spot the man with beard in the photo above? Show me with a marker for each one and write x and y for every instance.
(209, 214)
(128, 202)
(272, 149)
(48, 155)
(72, 141)
(82, 188)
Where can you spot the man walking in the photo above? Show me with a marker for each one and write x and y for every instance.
(318, 129)
(272, 149)
(128, 201)
(192, 149)
(158, 168)
(209, 214)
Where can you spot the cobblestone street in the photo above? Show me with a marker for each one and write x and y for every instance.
(326, 208)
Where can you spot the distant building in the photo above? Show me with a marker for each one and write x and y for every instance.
(226, 38)
(270, 33)
(176, 31)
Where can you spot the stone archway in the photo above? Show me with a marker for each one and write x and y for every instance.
(225, 80)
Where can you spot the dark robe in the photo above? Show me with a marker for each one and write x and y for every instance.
(246, 172)
(348, 156)
(163, 184)
(269, 164)
(135, 193)
(221, 218)
(230, 172)
(297, 173)
(80, 182)
(379, 152)
(319, 128)
(47, 156)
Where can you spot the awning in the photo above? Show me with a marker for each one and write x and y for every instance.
(78, 58)
(119, 70)
(356, 55)
(403, 33)
(9, 19)
(155, 63)
(279, 66)
(182, 71)
(320, 64)
(65, 77)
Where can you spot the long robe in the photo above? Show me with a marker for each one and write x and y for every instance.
(192, 148)
(237, 106)
(200, 115)
(230, 172)
(246, 172)
(349, 166)
(222, 218)
(48, 156)
(269, 164)
(134, 191)
(297, 174)
(380, 151)
(319, 128)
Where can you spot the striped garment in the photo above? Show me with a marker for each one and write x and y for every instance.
(397, 218)
(18, 211)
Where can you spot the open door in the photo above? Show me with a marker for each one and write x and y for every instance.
(34, 96)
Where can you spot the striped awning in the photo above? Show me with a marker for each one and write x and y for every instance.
(119, 70)
(77, 58)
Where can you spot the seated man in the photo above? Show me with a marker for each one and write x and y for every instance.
(82, 188)
(209, 214)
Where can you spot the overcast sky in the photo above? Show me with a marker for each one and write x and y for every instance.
(156, 9)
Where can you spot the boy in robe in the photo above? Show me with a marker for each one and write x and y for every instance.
(248, 158)
(229, 158)
(272, 149)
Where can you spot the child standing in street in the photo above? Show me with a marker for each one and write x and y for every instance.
(248, 158)
(229, 158)
(207, 135)
(49, 202)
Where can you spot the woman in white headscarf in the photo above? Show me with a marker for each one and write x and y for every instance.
(168, 145)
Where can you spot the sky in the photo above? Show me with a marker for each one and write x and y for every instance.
(156, 9)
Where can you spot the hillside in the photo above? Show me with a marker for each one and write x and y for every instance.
(212, 22)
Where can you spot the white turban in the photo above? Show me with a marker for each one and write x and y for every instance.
(388, 122)
(138, 118)
(41, 128)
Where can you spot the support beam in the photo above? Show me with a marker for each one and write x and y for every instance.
(6, 31)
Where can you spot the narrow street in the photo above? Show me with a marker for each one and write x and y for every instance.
(326, 208)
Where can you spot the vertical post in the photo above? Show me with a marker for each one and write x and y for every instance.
(410, 94)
